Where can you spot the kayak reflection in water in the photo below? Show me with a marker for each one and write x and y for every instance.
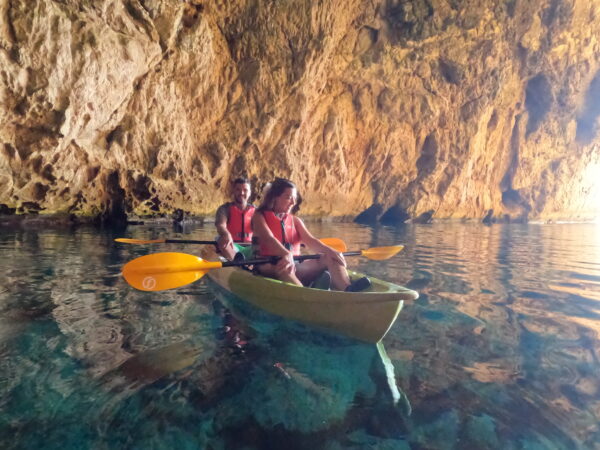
(280, 232)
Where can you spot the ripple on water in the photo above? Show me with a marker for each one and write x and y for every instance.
(501, 350)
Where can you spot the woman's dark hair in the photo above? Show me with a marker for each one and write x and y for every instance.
(277, 188)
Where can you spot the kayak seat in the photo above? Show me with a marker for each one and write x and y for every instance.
(323, 281)
(359, 285)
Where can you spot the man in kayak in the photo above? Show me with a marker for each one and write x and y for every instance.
(233, 221)
(280, 233)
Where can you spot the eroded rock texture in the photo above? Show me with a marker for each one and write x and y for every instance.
(415, 108)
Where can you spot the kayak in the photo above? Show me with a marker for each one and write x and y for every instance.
(365, 315)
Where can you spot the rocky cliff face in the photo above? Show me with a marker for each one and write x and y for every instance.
(412, 108)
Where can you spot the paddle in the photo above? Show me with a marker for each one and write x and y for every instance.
(335, 243)
(161, 271)
(162, 241)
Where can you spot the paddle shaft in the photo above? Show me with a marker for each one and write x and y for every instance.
(184, 241)
(169, 270)
(274, 259)
(187, 241)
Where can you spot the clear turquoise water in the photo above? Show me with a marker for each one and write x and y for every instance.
(501, 350)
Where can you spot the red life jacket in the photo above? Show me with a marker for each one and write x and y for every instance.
(284, 231)
(239, 223)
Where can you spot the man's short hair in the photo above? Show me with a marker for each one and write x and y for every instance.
(241, 180)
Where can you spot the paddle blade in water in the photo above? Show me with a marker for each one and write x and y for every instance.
(335, 243)
(381, 253)
(139, 241)
(161, 271)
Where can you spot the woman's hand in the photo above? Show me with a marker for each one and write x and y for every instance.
(335, 256)
(286, 264)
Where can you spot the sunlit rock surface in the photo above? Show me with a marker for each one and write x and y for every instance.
(419, 109)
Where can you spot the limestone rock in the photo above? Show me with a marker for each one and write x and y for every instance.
(448, 108)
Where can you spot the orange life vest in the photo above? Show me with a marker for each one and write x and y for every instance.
(283, 230)
(239, 223)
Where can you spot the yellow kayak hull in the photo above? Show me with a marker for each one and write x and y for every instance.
(366, 315)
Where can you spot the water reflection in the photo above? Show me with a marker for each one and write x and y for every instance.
(506, 327)
(501, 350)
(275, 386)
(298, 369)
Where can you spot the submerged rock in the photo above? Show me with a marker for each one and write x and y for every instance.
(481, 430)
(441, 433)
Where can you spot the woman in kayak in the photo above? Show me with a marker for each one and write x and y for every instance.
(280, 233)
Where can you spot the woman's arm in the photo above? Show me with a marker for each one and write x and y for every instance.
(308, 239)
(316, 245)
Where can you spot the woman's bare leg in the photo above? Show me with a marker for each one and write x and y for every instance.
(339, 276)
(311, 269)
(269, 270)
(308, 271)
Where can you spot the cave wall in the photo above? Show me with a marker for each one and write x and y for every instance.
(412, 108)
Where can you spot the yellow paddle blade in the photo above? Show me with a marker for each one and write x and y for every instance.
(337, 244)
(381, 253)
(139, 241)
(161, 271)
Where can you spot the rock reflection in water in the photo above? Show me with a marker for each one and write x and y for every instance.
(508, 334)
(501, 350)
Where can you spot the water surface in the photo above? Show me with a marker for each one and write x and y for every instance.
(501, 350)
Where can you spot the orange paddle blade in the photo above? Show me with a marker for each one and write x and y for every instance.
(337, 244)
(161, 271)
(139, 241)
(381, 253)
